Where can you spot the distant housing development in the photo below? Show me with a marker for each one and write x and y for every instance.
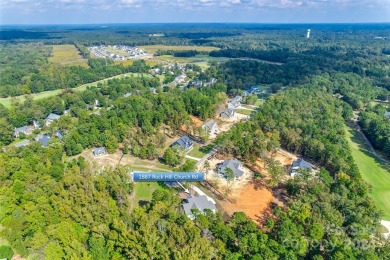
(117, 52)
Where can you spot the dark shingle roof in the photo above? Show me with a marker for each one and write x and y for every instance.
(43, 140)
(184, 142)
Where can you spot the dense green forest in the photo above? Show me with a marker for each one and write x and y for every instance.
(377, 128)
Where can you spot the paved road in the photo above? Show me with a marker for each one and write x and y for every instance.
(193, 158)
(369, 144)
(200, 163)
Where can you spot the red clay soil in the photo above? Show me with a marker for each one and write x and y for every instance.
(254, 202)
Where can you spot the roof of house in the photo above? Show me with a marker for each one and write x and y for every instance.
(387, 113)
(233, 164)
(209, 125)
(228, 112)
(59, 135)
(21, 129)
(43, 139)
(235, 99)
(300, 163)
(53, 116)
(99, 150)
(22, 143)
(184, 142)
(197, 202)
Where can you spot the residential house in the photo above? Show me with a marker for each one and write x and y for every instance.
(251, 90)
(197, 83)
(59, 135)
(228, 114)
(387, 114)
(51, 118)
(184, 143)
(210, 126)
(300, 164)
(43, 139)
(23, 143)
(128, 94)
(24, 129)
(66, 111)
(234, 164)
(200, 203)
(99, 151)
(234, 103)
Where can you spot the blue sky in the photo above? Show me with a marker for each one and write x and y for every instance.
(167, 11)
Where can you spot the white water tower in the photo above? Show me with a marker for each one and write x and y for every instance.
(308, 34)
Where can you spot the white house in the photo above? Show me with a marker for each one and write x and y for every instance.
(300, 164)
(210, 126)
(234, 103)
(228, 114)
(51, 118)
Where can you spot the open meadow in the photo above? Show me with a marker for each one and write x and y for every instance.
(67, 55)
(374, 172)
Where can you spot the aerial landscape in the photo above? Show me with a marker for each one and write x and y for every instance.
(194, 129)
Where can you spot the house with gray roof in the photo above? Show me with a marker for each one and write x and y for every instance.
(210, 127)
(24, 129)
(234, 164)
(153, 90)
(99, 151)
(228, 114)
(300, 164)
(200, 203)
(51, 118)
(43, 139)
(59, 135)
(234, 103)
(128, 94)
(387, 114)
(184, 143)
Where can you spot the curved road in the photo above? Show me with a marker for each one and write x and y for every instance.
(369, 144)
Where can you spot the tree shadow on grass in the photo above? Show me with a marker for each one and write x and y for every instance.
(358, 139)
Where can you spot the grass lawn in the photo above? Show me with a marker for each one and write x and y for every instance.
(195, 152)
(67, 55)
(374, 172)
(154, 48)
(244, 111)
(7, 101)
(144, 190)
(259, 102)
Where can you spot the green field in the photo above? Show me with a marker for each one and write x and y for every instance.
(7, 101)
(374, 172)
(67, 55)
(144, 190)
(244, 112)
(195, 152)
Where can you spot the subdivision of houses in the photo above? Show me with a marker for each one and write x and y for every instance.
(234, 164)
(200, 203)
(184, 143)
